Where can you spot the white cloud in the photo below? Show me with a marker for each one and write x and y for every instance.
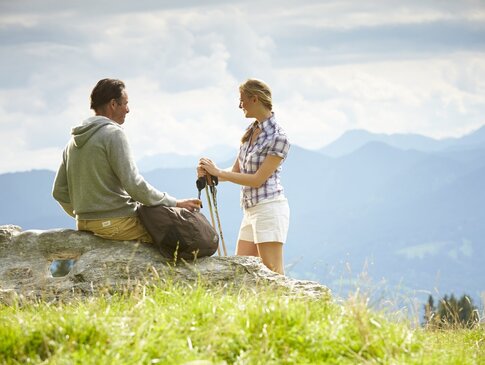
(417, 96)
(185, 122)
(183, 64)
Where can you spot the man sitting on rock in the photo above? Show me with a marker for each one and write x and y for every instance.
(98, 182)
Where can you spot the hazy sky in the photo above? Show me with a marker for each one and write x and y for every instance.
(384, 66)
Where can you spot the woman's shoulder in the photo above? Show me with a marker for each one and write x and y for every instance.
(275, 141)
(275, 126)
(278, 132)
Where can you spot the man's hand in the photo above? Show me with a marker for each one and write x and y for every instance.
(191, 204)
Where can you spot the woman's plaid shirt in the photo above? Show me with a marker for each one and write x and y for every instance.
(271, 141)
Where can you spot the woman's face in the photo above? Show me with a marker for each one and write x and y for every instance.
(247, 104)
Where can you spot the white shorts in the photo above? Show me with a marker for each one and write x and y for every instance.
(267, 221)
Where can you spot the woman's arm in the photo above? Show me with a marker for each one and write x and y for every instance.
(202, 172)
(267, 168)
(233, 168)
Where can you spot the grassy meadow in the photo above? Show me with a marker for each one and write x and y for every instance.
(196, 324)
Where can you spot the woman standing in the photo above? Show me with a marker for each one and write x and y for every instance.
(264, 147)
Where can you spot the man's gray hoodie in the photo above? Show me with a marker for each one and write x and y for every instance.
(98, 177)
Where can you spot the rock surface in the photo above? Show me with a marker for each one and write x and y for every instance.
(105, 265)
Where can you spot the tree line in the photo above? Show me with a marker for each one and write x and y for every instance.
(451, 312)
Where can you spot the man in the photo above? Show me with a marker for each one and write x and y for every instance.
(98, 182)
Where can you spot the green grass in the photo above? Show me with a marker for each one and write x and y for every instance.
(177, 324)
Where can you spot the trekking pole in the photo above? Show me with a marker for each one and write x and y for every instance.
(201, 184)
(213, 181)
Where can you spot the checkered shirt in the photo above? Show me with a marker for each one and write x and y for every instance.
(271, 141)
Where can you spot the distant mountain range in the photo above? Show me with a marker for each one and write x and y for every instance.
(406, 211)
(354, 139)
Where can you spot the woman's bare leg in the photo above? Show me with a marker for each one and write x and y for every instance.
(272, 255)
(246, 248)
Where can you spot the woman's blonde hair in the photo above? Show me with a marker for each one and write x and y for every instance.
(254, 87)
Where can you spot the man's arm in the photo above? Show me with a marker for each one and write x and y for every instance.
(68, 208)
(123, 165)
(60, 189)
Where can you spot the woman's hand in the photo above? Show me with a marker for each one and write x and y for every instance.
(209, 166)
(200, 171)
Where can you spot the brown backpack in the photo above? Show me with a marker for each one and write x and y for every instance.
(179, 233)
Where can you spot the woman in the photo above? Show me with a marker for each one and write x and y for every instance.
(264, 146)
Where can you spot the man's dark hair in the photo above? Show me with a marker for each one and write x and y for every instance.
(104, 91)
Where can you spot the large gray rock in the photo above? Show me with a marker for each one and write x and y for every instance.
(109, 266)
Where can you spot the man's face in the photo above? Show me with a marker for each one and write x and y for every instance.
(121, 108)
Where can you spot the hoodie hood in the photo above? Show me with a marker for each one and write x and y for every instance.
(81, 134)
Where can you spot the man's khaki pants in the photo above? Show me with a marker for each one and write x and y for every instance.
(121, 229)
